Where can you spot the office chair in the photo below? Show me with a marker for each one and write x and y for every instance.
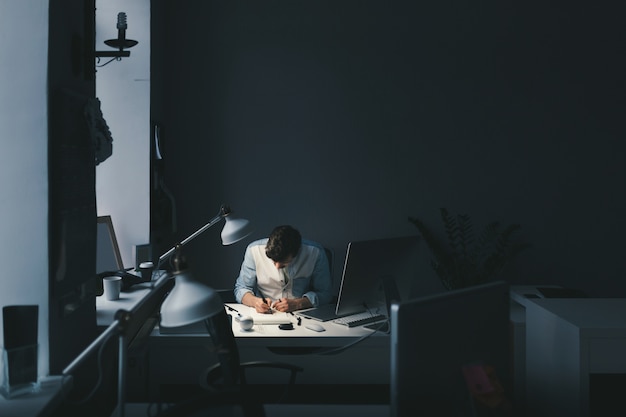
(225, 382)
(330, 255)
(227, 295)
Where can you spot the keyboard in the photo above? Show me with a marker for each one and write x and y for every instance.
(359, 319)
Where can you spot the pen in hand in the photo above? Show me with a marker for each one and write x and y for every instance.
(271, 310)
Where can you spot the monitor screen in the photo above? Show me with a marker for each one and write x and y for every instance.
(108, 257)
(378, 271)
(440, 346)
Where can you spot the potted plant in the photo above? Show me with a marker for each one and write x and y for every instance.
(469, 259)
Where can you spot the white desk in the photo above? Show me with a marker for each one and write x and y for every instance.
(129, 300)
(181, 358)
(566, 341)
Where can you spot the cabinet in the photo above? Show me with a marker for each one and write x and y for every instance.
(567, 341)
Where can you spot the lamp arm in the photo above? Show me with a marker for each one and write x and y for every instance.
(223, 213)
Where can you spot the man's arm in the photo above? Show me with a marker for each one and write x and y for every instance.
(246, 281)
(259, 305)
(292, 304)
(319, 291)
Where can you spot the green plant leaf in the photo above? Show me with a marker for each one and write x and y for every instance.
(466, 259)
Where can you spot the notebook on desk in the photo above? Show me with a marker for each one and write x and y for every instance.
(258, 318)
(273, 318)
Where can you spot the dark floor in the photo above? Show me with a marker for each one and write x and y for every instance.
(297, 394)
(270, 400)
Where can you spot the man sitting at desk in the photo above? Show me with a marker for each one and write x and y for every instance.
(284, 273)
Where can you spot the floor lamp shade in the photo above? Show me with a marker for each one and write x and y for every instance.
(189, 302)
(235, 229)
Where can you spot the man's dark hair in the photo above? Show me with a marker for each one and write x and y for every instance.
(284, 242)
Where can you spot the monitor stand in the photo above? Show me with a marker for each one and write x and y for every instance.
(391, 294)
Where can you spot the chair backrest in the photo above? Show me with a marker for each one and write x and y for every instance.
(223, 339)
(227, 295)
(330, 255)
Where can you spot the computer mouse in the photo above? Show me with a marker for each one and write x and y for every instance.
(315, 327)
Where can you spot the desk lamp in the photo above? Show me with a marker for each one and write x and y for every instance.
(191, 301)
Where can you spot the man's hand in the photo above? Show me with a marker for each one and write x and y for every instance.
(262, 305)
(291, 304)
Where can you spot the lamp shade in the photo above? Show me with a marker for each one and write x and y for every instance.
(235, 229)
(189, 302)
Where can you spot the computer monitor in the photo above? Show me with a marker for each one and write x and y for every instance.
(433, 338)
(108, 256)
(379, 271)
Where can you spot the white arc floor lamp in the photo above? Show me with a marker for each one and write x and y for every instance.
(188, 302)
(191, 301)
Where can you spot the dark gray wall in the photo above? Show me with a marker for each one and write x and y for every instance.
(344, 118)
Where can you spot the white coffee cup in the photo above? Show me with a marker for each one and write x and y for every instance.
(246, 323)
(112, 287)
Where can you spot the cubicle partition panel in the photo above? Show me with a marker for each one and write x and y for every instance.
(450, 351)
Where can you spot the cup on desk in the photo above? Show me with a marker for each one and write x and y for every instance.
(246, 323)
(146, 269)
(112, 286)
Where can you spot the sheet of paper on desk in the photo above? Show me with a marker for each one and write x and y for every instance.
(274, 318)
